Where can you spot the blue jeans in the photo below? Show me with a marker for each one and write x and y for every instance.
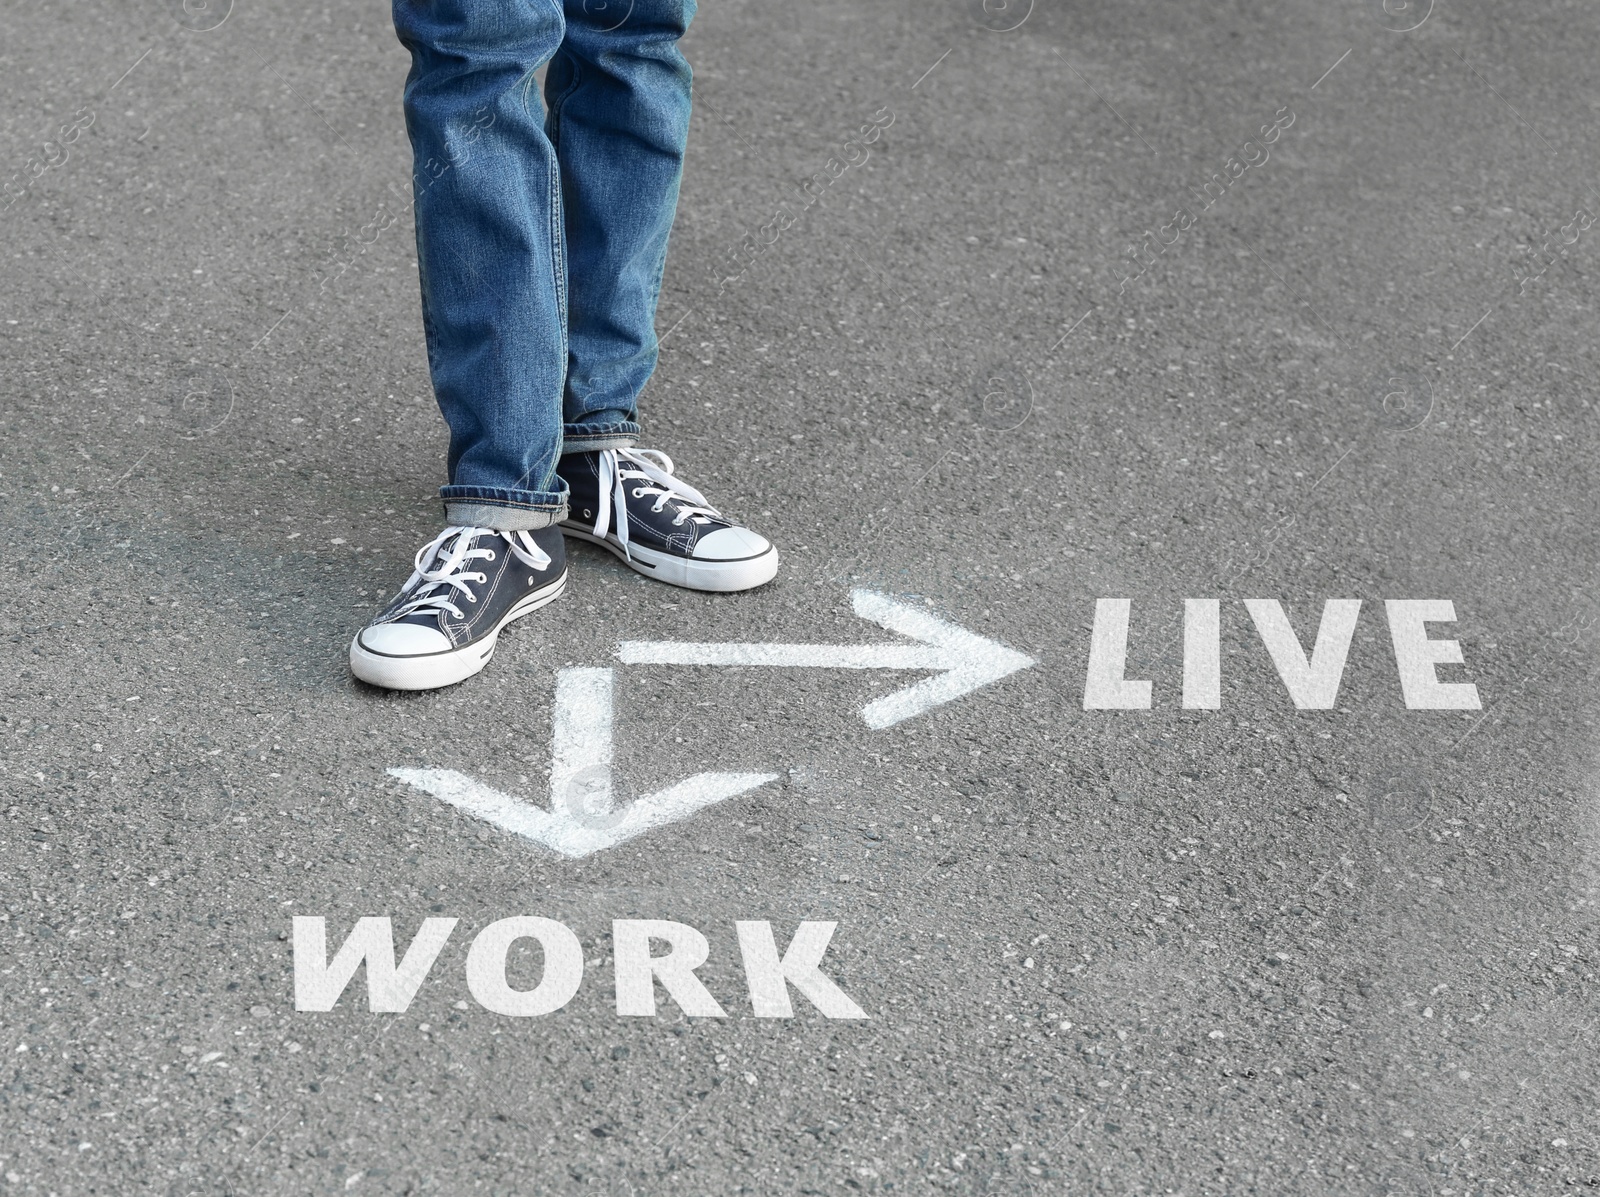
(541, 229)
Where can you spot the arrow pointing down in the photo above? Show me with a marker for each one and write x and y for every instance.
(965, 660)
(583, 817)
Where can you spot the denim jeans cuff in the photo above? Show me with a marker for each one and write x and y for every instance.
(503, 510)
(588, 438)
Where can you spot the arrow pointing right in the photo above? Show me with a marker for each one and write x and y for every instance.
(965, 660)
(584, 816)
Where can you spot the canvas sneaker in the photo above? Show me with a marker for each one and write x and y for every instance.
(468, 584)
(630, 501)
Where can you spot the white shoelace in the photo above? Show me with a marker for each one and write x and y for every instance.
(654, 468)
(441, 574)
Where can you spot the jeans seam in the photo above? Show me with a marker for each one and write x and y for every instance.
(558, 254)
(508, 504)
(558, 214)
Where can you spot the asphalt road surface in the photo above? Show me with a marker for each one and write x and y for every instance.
(1023, 326)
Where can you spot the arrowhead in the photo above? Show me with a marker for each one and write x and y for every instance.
(580, 833)
(968, 661)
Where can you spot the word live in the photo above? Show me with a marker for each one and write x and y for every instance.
(1311, 679)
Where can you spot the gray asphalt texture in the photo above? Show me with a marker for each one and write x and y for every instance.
(1252, 950)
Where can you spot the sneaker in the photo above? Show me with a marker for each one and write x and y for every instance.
(671, 533)
(469, 583)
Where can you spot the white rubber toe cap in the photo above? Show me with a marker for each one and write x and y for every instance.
(403, 640)
(731, 544)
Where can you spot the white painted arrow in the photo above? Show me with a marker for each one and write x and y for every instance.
(583, 817)
(965, 660)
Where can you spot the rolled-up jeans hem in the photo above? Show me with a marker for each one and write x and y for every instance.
(508, 511)
(590, 438)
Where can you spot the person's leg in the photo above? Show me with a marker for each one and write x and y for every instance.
(618, 97)
(489, 250)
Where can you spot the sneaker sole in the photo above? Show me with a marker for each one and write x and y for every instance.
(744, 573)
(433, 670)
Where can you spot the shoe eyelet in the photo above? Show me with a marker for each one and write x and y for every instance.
(638, 492)
(587, 514)
(490, 557)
